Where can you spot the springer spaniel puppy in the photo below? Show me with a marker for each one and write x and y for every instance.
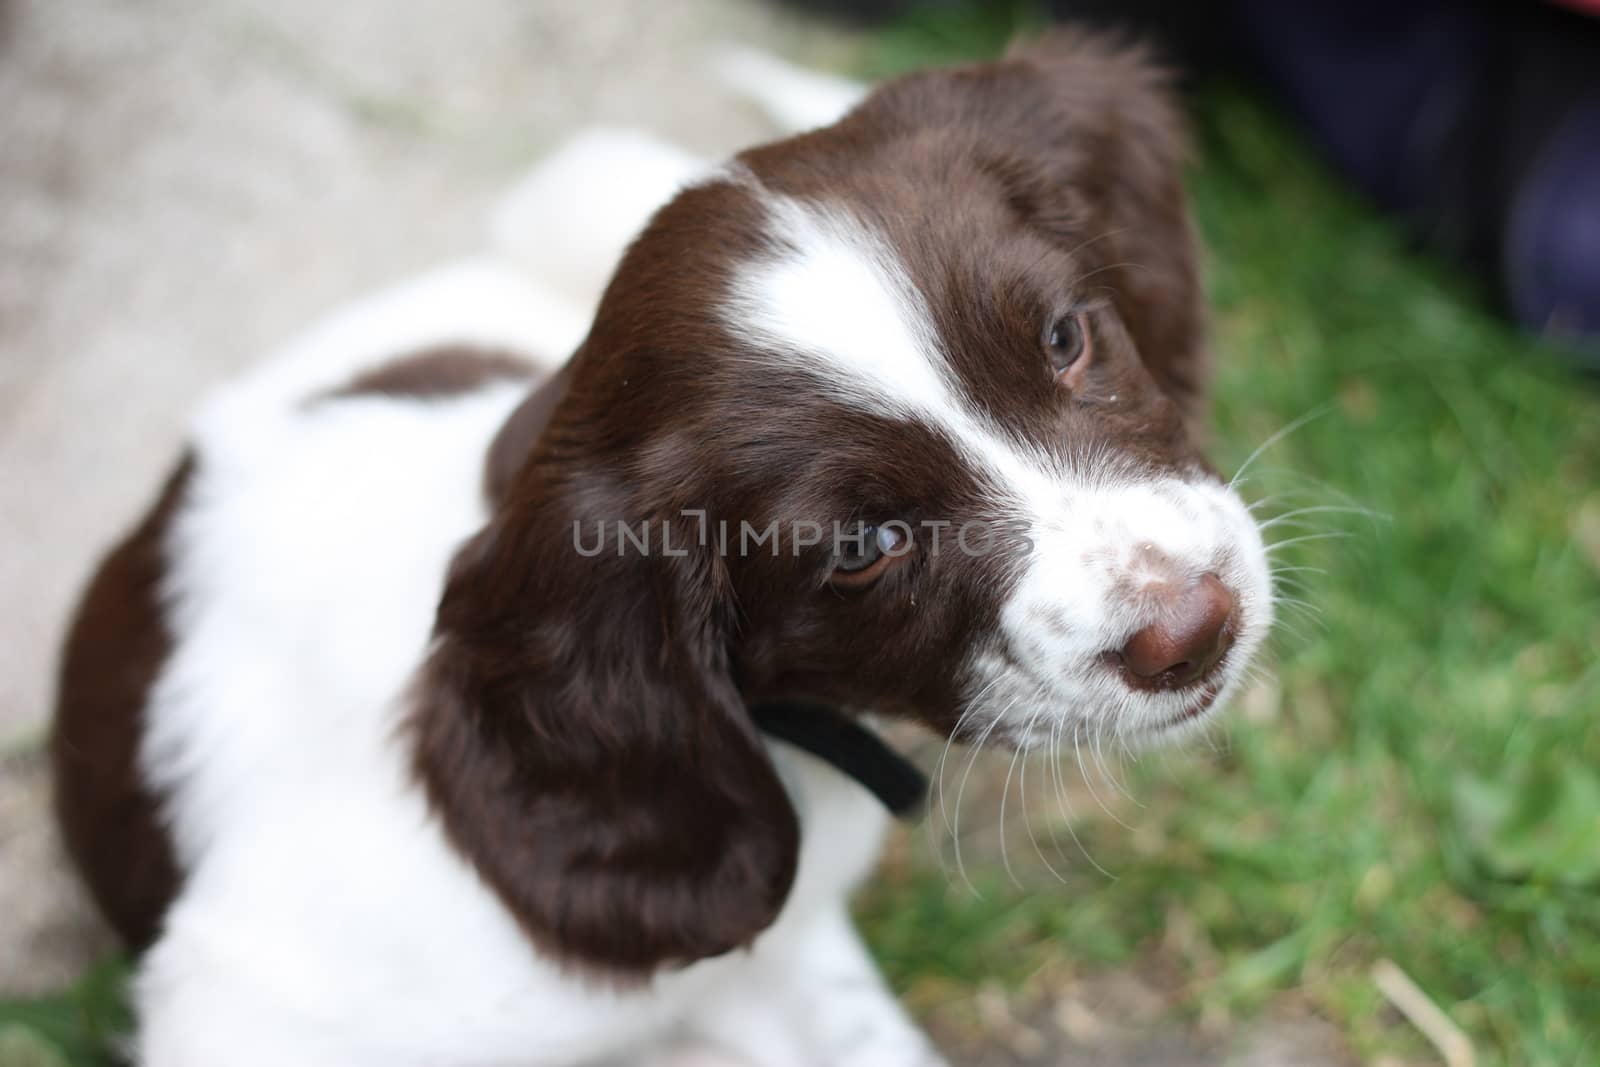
(389, 743)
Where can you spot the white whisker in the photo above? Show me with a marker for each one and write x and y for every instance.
(1310, 416)
(1027, 820)
(1064, 802)
(1105, 771)
(1005, 794)
(1328, 536)
(1078, 748)
(961, 791)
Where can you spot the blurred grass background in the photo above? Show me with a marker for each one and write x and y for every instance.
(1414, 779)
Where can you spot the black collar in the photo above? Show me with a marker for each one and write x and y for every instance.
(833, 736)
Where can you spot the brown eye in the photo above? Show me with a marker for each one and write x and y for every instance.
(1068, 345)
(863, 552)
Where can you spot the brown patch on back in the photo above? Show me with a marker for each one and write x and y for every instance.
(434, 374)
(115, 651)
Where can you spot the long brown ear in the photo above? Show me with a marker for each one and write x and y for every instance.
(1107, 136)
(579, 735)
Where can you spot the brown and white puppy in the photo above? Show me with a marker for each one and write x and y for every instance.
(412, 728)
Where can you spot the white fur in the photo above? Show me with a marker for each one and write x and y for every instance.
(794, 98)
(569, 220)
(832, 299)
(1079, 596)
(836, 298)
(325, 921)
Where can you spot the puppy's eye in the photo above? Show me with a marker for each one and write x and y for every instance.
(1068, 346)
(864, 552)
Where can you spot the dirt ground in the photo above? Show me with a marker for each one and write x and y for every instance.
(184, 183)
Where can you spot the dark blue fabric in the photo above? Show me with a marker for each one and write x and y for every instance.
(1373, 80)
(1476, 123)
(1553, 245)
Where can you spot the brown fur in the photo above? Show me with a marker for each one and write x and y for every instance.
(580, 725)
(434, 374)
(516, 438)
(115, 650)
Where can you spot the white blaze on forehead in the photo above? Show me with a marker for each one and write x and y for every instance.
(833, 295)
(833, 299)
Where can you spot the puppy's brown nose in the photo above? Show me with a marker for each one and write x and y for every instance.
(1191, 635)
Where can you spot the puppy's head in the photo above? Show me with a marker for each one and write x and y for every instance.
(893, 415)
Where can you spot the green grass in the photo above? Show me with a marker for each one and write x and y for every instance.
(1418, 783)
(74, 1029)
